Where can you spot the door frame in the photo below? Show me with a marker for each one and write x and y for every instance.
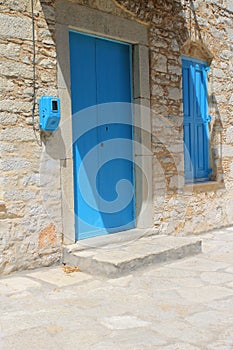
(71, 16)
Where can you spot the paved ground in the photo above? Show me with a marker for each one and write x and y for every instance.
(184, 305)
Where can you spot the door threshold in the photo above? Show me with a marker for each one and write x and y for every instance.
(111, 239)
(116, 260)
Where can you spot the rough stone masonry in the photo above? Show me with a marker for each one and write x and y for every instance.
(30, 233)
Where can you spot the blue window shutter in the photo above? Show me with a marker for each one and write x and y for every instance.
(188, 94)
(201, 123)
(196, 133)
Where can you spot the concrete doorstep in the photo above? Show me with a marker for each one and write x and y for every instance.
(123, 257)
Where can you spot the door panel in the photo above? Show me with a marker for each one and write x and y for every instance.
(103, 155)
(82, 58)
(113, 73)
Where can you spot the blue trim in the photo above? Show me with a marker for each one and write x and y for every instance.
(195, 60)
(133, 135)
(100, 37)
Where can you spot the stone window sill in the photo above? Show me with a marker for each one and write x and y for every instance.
(206, 186)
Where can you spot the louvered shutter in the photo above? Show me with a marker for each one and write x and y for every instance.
(196, 133)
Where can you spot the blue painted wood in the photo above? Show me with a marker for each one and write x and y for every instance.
(196, 132)
(104, 194)
(188, 121)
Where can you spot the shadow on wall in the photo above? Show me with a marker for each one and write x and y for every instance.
(54, 144)
(216, 141)
(167, 33)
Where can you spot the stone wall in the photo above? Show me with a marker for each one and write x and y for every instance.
(30, 197)
(201, 30)
(28, 235)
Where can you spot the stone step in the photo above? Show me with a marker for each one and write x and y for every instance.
(117, 259)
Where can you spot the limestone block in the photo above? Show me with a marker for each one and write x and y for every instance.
(175, 78)
(174, 69)
(227, 151)
(176, 182)
(219, 73)
(15, 106)
(46, 63)
(31, 180)
(226, 54)
(174, 93)
(10, 50)
(19, 195)
(14, 164)
(229, 135)
(156, 42)
(17, 134)
(142, 133)
(49, 12)
(8, 119)
(160, 63)
(230, 33)
(174, 45)
(230, 5)
(50, 187)
(4, 226)
(224, 64)
(67, 201)
(99, 22)
(46, 78)
(15, 27)
(26, 59)
(48, 41)
(217, 33)
(17, 5)
(44, 33)
(222, 99)
(52, 91)
(157, 90)
(141, 72)
(6, 85)
(48, 52)
(63, 64)
(10, 69)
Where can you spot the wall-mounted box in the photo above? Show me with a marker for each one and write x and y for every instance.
(50, 113)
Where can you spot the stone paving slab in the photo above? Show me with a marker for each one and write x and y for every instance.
(58, 277)
(119, 259)
(180, 305)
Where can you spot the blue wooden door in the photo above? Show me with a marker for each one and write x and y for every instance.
(102, 135)
(196, 132)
